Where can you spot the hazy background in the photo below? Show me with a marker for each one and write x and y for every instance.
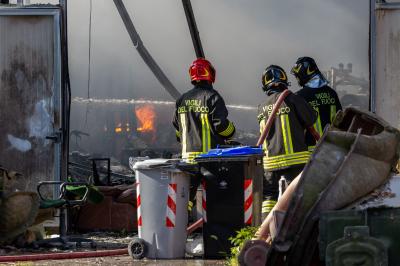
(240, 38)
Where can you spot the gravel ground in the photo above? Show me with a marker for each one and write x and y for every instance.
(104, 241)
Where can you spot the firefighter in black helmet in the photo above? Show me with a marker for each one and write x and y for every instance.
(317, 93)
(286, 151)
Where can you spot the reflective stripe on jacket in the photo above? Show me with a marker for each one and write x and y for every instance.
(326, 102)
(201, 121)
(285, 144)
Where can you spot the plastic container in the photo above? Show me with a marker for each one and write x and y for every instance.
(233, 195)
(162, 199)
(339, 232)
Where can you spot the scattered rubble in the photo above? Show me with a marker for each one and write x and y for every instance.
(104, 241)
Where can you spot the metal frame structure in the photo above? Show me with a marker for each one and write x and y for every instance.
(372, 57)
(194, 32)
(143, 52)
(374, 6)
(380, 4)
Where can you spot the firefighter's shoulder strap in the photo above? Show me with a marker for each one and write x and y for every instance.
(271, 118)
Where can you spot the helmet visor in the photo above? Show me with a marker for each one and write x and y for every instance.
(296, 69)
(274, 76)
(268, 77)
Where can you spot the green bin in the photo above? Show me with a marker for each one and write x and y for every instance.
(360, 237)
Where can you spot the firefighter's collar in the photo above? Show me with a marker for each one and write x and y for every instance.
(317, 82)
(204, 85)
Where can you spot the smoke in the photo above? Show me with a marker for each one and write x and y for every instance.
(240, 38)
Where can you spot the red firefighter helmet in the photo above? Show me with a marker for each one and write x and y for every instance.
(201, 69)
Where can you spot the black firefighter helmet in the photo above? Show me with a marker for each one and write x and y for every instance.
(273, 76)
(304, 70)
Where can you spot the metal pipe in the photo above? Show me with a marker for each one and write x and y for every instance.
(79, 100)
(372, 57)
(194, 32)
(147, 58)
(384, 5)
(65, 107)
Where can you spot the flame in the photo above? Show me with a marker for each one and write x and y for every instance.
(146, 118)
(118, 129)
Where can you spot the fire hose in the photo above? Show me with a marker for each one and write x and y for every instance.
(63, 256)
(254, 252)
(190, 229)
(261, 140)
(271, 119)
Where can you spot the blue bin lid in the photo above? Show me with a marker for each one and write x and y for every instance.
(231, 152)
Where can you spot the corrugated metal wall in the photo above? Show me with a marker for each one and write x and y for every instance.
(388, 64)
(28, 96)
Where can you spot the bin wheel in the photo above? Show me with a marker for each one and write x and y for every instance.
(137, 248)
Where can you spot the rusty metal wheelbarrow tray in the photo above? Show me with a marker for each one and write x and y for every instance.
(354, 156)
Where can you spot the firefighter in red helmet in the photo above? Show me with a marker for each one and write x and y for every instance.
(201, 118)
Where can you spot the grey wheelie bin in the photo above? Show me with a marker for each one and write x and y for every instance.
(162, 199)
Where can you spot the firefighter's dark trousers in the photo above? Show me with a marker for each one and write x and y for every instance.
(195, 181)
(271, 186)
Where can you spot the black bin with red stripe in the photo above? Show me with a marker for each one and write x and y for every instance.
(232, 195)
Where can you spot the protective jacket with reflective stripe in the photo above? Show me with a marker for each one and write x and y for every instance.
(201, 121)
(326, 102)
(285, 144)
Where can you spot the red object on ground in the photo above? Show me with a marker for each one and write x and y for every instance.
(63, 256)
(194, 226)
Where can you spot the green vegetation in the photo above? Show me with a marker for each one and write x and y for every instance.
(237, 241)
